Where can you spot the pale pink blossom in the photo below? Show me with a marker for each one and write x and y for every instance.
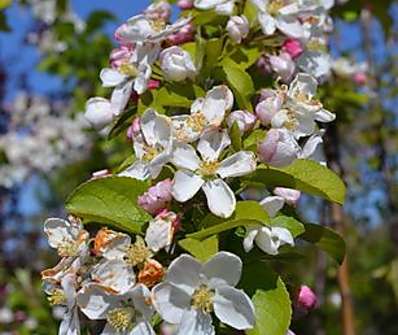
(290, 195)
(245, 120)
(185, 4)
(157, 197)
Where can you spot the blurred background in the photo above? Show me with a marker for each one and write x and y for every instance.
(51, 52)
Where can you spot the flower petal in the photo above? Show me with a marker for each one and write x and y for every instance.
(155, 128)
(284, 235)
(324, 115)
(248, 242)
(120, 97)
(195, 322)
(185, 157)
(272, 204)
(142, 328)
(217, 101)
(184, 272)
(170, 302)
(234, 308)
(265, 242)
(220, 198)
(141, 295)
(111, 77)
(224, 268)
(239, 164)
(70, 324)
(185, 185)
(98, 112)
(138, 170)
(212, 143)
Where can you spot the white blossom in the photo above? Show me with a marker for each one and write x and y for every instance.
(177, 64)
(268, 239)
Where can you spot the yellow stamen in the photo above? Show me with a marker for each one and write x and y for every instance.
(138, 252)
(128, 70)
(274, 6)
(202, 299)
(158, 25)
(150, 153)
(197, 121)
(209, 168)
(120, 319)
(57, 297)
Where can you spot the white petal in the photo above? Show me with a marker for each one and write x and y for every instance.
(207, 4)
(185, 185)
(324, 116)
(272, 205)
(311, 146)
(234, 308)
(226, 8)
(143, 77)
(111, 77)
(220, 198)
(110, 244)
(114, 274)
(70, 324)
(138, 29)
(248, 242)
(267, 22)
(60, 231)
(94, 302)
(217, 101)
(141, 300)
(159, 234)
(184, 273)
(212, 143)
(98, 112)
(182, 132)
(155, 128)
(224, 268)
(185, 157)
(195, 322)
(283, 235)
(138, 170)
(170, 302)
(265, 242)
(120, 97)
(290, 26)
(239, 164)
(142, 328)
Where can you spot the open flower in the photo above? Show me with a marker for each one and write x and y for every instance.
(208, 171)
(192, 291)
(268, 239)
(68, 237)
(127, 314)
(152, 147)
(207, 112)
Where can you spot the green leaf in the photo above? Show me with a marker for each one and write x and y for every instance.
(240, 82)
(122, 123)
(290, 223)
(236, 137)
(271, 299)
(246, 213)
(326, 239)
(304, 175)
(202, 250)
(175, 95)
(112, 201)
(250, 11)
(250, 143)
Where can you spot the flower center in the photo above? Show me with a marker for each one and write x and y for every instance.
(315, 45)
(274, 6)
(202, 299)
(138, 252)
(57, 297)
(150, 153)
(158, 25)
(128, 70)
(197, 121)
(120, 319)
(209, 168)
(291, 123)
(68, 248)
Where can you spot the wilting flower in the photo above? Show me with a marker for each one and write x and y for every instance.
(238, 28)
(222, 7)
(245, 120)
(68, 237)
(157, 197)
(208, 171)
(127, 314)
(268, 239)
(152, 147)
(177, 64)
(206, 113)
(279, 148)
(160, 232)
(191, 291)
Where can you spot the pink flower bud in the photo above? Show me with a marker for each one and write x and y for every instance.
(121, 32)
(185, 4)
(360, 78)
(157, 197)
(264, 66)
(278, 148)
(306, 298)
(238, 28)
(153, 84)
(134, 130)
(290, 195)
(120, 55)
(244, 120)
(184, 35)
(270, 103)
(283, 65)
(293, 47)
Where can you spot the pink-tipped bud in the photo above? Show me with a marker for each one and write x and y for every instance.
(185, 4)
(293, 47)
(120, 56)
(157, 197)
(153, 84)
(278, 148)
(306, 299)
(184, 35)
(135, 129)
(290, 195)
(245, 120)
(360, 78)
(264, 66)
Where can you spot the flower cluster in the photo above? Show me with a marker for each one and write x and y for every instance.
(195, 159)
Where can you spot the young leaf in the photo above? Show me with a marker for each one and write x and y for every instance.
(236, 137)
(326, 239)
(202, 250)
(112, 201)
(246, 213)
(304, 175)
(290, 223)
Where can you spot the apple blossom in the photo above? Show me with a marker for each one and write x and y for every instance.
(157, 197)
(245, 120)
(270, 103)
(238, 28)
(268, 239)
(208, 173)
(222, 7)
(177, 64)
(191, 291)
